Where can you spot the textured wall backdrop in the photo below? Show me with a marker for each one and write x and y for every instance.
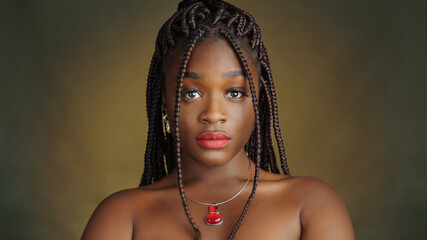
(351, 82)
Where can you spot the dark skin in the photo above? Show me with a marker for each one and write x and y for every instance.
(284, 207)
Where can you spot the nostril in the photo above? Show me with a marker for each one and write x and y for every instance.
(213, 112)
(213, 118)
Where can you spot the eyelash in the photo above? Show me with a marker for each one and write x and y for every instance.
(244, 93)
(241, 91)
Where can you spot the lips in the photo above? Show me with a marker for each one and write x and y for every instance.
(213, 140)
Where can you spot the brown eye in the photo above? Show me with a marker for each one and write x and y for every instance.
(192, 94)
(235, 94)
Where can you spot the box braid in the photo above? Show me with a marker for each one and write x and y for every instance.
(182, 70)
(231, 39)
(194, 21)
(265, 62)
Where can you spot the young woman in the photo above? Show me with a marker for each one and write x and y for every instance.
(210, 167)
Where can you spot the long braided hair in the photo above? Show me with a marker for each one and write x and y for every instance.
(194, 21)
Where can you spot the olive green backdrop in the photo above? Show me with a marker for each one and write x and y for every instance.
(351, 83)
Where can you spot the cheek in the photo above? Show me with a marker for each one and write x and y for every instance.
(187, 120)
(188, 116)
(243, 118)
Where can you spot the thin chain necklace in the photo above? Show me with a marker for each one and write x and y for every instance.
(214, 218)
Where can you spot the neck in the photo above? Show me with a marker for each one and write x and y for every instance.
(195, 174)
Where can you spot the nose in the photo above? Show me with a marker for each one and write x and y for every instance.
(213, 111)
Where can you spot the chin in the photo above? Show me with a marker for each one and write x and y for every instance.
(213, 160)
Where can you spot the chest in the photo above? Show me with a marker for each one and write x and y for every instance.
(266, 218)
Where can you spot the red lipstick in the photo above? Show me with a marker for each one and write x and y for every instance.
(213, 140)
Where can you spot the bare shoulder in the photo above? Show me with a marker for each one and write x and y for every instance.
(308, 187)
(113, 217)
(315, 191)
(323, 214)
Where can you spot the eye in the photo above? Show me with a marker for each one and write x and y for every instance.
(191, 94)
(236, 94)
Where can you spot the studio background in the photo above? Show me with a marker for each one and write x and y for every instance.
(351, 83)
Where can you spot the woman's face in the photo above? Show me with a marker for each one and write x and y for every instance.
(215, 98)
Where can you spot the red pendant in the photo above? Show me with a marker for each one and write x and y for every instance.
(213, 219)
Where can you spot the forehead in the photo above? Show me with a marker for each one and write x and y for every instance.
(211, 54)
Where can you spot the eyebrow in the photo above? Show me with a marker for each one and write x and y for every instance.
(194, 75)
(234, 74)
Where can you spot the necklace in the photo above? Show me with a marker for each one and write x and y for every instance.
(214, 218)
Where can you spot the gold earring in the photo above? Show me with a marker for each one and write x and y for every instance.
(166, 120)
